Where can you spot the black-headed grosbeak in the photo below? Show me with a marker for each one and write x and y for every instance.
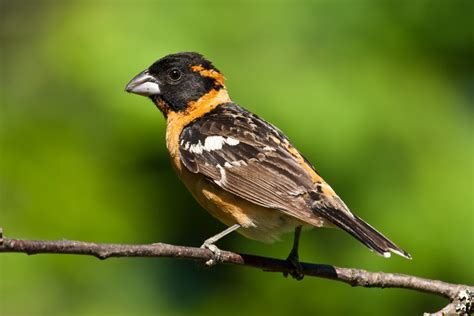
(240, 168)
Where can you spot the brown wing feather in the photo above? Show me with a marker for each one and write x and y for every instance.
(255, 164)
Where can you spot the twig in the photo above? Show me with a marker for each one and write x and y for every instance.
(459, 295)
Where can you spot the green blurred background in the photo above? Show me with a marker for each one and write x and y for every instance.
(377, 94)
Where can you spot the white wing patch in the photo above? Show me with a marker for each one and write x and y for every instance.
(211, 143)
(232, 141)
(194, 148)
(236, 163)
(223, 178)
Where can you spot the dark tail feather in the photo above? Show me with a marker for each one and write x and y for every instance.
(365, 233)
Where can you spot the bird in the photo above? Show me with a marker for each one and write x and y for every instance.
(242, 169)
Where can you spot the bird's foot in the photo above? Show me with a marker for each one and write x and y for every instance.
(297, 270)
(216, 253)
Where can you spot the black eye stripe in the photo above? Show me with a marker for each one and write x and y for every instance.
(174, 74)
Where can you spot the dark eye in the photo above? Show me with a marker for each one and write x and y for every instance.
(174, 74)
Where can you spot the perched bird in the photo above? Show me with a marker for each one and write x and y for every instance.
(240, 168)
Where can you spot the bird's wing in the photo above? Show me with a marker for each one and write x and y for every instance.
(252, 159)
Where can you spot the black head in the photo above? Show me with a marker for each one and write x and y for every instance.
(176, 80)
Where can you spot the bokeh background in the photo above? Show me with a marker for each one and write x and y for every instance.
(377, 94)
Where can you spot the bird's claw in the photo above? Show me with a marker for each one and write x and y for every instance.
(297, 270)
(216, 254)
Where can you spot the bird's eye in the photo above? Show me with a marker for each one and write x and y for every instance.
(174, 74)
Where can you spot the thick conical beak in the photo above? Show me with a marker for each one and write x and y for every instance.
(143, 84)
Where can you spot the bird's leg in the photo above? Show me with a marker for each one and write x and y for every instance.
(293, 257)
(209, 244)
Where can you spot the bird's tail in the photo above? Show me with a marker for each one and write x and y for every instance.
(365, 233)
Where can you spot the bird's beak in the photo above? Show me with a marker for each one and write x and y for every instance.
(143, 84)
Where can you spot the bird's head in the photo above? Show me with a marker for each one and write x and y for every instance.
(177, 81)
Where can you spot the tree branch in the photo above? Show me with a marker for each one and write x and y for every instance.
(460, 296)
